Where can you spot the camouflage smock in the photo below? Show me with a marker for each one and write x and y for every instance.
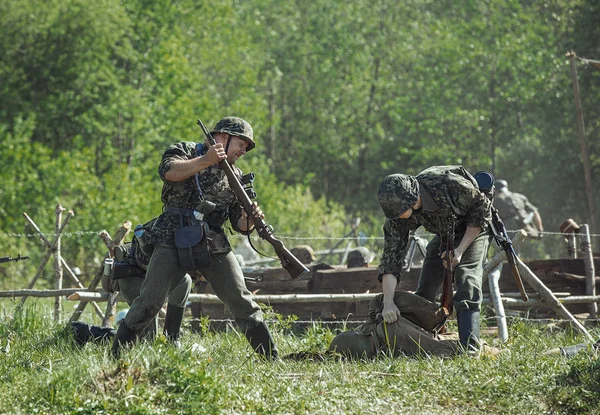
(513, 205)
(449, 194)
(215, 188)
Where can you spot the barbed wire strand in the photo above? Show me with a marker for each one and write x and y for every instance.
(302, 238)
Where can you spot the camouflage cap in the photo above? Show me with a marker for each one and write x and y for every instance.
(359, 257)
(398, 193)
(353, 345)
(237, 127)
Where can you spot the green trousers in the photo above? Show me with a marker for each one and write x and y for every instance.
(165, 278)
(468, 274)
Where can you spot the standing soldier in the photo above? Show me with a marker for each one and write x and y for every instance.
(189, 235)
(446, 201)
(515, 210)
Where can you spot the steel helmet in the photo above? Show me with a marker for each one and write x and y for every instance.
(237, 127)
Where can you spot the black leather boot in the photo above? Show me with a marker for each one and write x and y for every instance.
(261, 341)
(468, 329)
(125, 336)
(173, 322)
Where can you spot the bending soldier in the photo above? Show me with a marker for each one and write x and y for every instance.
(446, 201)
(189, 235)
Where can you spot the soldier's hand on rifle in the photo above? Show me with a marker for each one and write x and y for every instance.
(456, 257)
(390, 313)
(256, 212)
(244, 223)
(215, 153)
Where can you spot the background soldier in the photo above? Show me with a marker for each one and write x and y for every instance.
(359, 258)
(516, 211)
(304, 253)
(446, 201)
(196, 193)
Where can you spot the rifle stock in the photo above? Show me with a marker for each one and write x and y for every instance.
(289, 262)
(504, 242)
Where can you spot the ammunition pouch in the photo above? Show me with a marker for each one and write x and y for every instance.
(123, 270)
(191, 240)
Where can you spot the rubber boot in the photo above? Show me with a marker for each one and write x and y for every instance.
(125, 336)
(468, 329)
(261, 341)
(173, 322)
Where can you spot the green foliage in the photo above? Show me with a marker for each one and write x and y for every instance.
(340, 94)
(576, 392)
(42, 371)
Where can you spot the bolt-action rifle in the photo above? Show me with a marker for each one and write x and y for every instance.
(504, 242)
(288, 261)
(18, 258)
(447, 293)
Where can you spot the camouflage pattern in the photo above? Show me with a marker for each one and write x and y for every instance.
(359, 257)
(237, 127)
(514, 208)
(184, 194)
(411, 334)
(449, 195)
(398, 193)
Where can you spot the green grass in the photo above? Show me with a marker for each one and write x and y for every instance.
(42, 371)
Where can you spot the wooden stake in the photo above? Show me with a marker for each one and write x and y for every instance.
(48, 254)
(590, 272)
(58, 271)
(64, 263)
(120, 235)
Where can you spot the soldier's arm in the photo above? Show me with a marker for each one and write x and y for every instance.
(182, 169)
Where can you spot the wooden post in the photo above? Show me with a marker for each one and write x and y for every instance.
(111, 243)
(64, 263)
(582, 141)
(494, 278)
(590, 272)
(58, 270)
(47, 255)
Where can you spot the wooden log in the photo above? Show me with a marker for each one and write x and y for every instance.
(500, 256)
(573, 277)
(346, 280)
(38, 293)
(271, 299)
(549, 297)
(46, 257)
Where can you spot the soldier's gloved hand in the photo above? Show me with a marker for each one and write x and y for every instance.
(390, 313)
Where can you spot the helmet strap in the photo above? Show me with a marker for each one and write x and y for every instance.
(227, 145)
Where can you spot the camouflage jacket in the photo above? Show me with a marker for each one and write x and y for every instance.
(185, 194)
(513, 205)
(450, 195)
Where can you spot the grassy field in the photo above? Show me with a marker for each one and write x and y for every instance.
(43, 372)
